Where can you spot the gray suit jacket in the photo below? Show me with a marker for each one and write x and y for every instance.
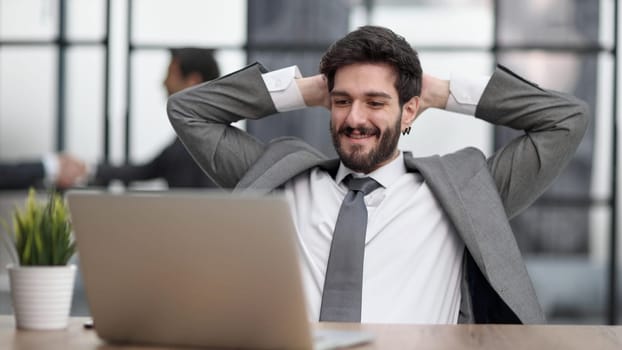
(478, 194)
(21, 175)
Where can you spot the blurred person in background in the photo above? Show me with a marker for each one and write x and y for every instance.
(187, 67)
(59, 170)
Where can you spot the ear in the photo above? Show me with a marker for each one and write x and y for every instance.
(409, 112)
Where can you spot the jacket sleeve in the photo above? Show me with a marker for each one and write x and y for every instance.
(21, 175)
(553, 123)
(105, 173)
(202, 117)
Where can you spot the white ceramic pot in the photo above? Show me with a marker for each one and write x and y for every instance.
(41, 295)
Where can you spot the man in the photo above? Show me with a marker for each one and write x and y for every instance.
(61, 171)
(188, 67)
(438, 247)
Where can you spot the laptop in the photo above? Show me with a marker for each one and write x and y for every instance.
(206, 269)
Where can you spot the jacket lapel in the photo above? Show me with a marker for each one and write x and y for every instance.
(444, 188)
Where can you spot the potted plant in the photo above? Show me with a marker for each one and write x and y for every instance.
(40, 278)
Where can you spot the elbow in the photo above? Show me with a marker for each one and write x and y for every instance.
(173, 109)
(179, 112)
(581, 118)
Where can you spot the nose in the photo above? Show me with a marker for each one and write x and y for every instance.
(356, 115)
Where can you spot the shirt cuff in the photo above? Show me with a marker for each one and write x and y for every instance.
(51, 168)
(465, 93)
(283, 89)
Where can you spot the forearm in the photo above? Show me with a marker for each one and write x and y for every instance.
(237, 96)
(202, 115)
(21, 175)
(516, 103)
(554, 124)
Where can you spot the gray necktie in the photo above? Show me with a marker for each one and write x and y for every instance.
(341, 298)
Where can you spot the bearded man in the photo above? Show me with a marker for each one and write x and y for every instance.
(431, 242)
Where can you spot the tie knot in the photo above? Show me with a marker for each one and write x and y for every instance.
(363, 184)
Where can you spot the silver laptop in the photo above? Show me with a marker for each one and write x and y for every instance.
(194, 269)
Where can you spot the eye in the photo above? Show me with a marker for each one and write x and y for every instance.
(341, 102)
(376, 104)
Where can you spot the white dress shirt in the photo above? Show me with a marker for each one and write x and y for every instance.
(51, 167)
(413, 256)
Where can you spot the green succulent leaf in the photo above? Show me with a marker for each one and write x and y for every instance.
(42, 231)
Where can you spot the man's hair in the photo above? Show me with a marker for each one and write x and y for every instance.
(372, 44)
(191, 60)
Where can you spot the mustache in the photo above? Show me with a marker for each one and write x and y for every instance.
(347, 130)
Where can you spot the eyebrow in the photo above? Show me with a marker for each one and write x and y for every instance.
(367, 94)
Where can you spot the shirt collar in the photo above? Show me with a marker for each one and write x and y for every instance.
(385, 175)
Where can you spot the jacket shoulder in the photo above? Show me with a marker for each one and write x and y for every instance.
(465, 161)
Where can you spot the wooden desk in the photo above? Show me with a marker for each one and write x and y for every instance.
(387, 337)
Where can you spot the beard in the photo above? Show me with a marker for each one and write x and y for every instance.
(356, 158)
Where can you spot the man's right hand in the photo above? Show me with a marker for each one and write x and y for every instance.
(314, 91)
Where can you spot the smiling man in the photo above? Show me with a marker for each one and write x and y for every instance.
(367, 119)
(386, 237)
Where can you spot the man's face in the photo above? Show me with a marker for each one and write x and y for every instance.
(366, 118)
(175, 81)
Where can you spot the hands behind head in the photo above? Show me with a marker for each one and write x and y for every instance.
(314, 91)
(434, 93)
(71, 171)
